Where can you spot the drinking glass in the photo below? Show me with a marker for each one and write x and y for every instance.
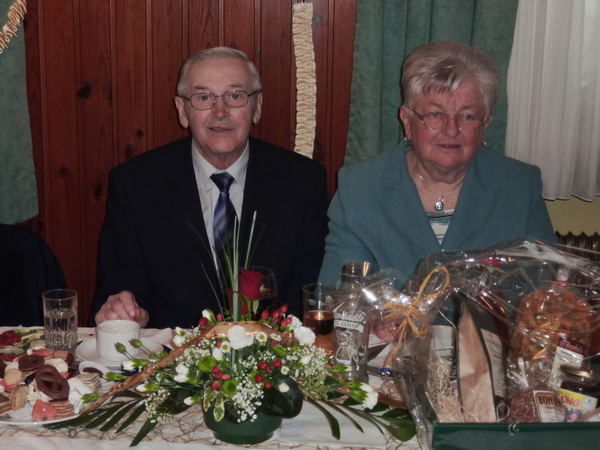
(60, 319)
(317, 299)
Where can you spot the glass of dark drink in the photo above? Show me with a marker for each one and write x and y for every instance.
(318, 314)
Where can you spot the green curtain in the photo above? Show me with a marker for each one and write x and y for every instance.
(18, 190)
(387, 31)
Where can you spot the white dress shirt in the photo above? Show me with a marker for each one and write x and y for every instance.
(209, 192)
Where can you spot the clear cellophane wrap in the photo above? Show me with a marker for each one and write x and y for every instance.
(540, 299)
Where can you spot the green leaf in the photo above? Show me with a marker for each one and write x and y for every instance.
(104, 414)
(341, 411)
(118, 415)
(284, 398)
(132, 417)
(334, 425)
(146, 428)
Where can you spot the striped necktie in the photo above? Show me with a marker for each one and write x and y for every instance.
(224, 215)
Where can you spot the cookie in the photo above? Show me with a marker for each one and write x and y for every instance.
(30, 363)
(12, 377)
(65, 355)
(91, 380)
(51, 383)
(64, 408)
(18, 397)
(43, 411)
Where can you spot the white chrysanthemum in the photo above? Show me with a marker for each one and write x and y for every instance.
(305, 336)
(239, 338)
(217, 354)
(295, 322)
(262, 337)
(225, 347)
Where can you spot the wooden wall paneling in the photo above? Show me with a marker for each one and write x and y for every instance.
(168, 51)
(101, 81)
(60, 78)
(33, 41)
(95, 111)
(342, 20)
(204, 25)
(276, 52)
(130, 79)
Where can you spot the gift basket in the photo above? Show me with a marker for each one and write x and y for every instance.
(498, 346)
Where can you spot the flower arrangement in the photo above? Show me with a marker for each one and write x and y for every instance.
(234, 370)
(237, 367)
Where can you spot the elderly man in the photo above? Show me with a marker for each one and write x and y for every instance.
(158, 245)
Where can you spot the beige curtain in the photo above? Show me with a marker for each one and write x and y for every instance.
(554, 95)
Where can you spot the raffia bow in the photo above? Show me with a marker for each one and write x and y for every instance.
(412, 316)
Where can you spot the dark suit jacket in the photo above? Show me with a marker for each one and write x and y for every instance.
(154, 241)
(28, 268)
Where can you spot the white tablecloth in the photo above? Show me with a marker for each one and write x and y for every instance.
(309, 430)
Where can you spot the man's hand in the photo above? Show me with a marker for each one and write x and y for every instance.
(122, 306)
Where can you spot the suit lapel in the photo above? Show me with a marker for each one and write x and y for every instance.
(400, 193)
(188, 210)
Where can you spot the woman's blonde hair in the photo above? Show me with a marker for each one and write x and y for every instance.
(444, 67)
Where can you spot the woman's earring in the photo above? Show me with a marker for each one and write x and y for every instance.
(483, 146)
(407, 144)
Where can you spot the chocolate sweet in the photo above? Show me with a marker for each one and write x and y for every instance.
(51, 382)
(30, 363)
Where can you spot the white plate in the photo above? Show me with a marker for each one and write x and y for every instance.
(87, 352)
(22, 417)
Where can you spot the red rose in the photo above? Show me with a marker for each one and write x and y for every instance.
(249, 283)
(9, 337)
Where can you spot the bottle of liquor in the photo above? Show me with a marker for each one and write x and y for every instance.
(351, 323)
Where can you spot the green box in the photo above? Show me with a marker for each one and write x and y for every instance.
(528, 436)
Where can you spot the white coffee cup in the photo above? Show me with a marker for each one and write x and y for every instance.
(111, 332)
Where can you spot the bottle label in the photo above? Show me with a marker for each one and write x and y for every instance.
(351, 334)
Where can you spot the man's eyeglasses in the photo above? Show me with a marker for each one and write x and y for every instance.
(436, 120)
(207, 100)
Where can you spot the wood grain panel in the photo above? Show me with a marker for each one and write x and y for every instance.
(60, 79)
(203, 31)
(101, 79)
(276, 51)
(167, 55)
(95, 139)
(130, 75)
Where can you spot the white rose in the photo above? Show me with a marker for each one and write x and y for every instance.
(178, 340)
(371, 399)
(305, 336)
(238, 337)
(217, 354)
(283, 388)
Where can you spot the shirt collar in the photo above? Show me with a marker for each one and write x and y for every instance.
(204, 169)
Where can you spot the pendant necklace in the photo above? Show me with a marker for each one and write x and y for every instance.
(439, 205)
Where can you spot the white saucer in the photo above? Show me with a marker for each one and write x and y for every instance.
(86, 351)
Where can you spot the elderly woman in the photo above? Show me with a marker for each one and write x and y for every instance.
(440, 190)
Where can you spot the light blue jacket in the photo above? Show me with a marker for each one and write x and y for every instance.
(377, 216)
